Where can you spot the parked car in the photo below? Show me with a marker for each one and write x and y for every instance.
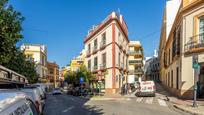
(56, 91)
(76, 91)
(146, 88)
(42, 86)
(42, 93)
(35, 94)
(65, 89)
(16, 103)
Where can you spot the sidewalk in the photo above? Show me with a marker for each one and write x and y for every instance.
(186, 105)
(181, 104)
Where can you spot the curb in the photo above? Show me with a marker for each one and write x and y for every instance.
(109, 99)
(184, 110)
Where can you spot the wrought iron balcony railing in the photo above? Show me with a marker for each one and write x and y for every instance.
(103, 66)
(195, 42)
(135, 61)
(136, 72)
(135, 52)
(95, 68)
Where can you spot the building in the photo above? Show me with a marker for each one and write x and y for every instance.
(63, 72)
(78, 61)
(38, 54)
(135, 62)
(178, 45)
(152, 68)
(53, 74)
(106, 48)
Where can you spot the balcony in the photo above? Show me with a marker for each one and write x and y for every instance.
(135, 61)
(102, 66)
(193, 46)
(134, 52)
(136, 72)
(102, 45)
(88, 53)
(95, 49)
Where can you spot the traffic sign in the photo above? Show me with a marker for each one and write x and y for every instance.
(81, 79)
(195, 62)
(195, 65)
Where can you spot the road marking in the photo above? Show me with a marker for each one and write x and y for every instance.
(162, 102)
(68, 109)
(149, 100)
(139, 99)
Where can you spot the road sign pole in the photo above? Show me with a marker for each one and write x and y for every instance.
(195, 89)
(195, 67)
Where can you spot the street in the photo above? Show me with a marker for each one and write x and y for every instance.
(69, 105)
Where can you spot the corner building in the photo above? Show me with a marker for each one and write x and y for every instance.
(106, 52)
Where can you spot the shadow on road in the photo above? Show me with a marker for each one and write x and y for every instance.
(70, 105)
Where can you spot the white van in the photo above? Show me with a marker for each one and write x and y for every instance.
(147, 88)
(13, 103)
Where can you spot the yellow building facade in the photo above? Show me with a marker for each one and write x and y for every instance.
(37, 53)
(185, 39)
(135, 61)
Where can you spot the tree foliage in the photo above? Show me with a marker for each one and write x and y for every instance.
(74, 77)
(10, 33)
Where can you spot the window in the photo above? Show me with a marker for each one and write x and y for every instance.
(169, 56)
(30, 57)
(178, 41)
(168, 78)
(172, 79)
(201, 29)
(119, 59)
(174, 44)
(104, 38)
(89, 64)
(89, 47)
(104, 60)
(177, 78)
(95, 44)
(95, 62)
(43, 60)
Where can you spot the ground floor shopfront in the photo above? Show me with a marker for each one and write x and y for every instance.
(110, 81)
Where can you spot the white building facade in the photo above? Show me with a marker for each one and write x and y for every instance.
(106, 46)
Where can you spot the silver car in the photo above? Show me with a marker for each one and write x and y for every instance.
(15, 102)
(35, 94)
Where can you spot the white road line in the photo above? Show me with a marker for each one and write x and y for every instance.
(139, 99)
(162, 102)
(149, 100)
(68, 109)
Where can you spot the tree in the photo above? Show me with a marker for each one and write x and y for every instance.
(74, 77)
(10, 33)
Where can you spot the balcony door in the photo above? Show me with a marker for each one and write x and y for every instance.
(201, 29)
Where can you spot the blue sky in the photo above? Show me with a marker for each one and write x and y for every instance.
(63, 24)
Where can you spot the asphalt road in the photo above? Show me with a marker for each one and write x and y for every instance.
(69, 105)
